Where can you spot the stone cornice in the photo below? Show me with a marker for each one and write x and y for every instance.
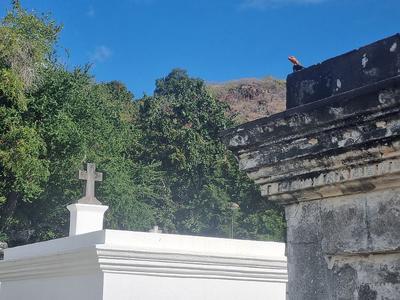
(105, 259)
(379, 98)
(341, 145)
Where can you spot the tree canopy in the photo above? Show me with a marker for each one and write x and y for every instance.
(161, 155)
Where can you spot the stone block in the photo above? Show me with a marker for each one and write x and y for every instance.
(369, 277)
(308, 272)
(353, 70)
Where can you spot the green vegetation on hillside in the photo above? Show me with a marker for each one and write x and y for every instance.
(161, 156)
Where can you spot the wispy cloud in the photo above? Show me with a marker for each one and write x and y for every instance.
(263, 4)
(138, 2)
(91, 12)
(100, 54)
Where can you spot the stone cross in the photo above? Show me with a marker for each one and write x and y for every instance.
(91, 176)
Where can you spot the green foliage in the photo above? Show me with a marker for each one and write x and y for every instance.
(12, 90)
(161, 156)
(25, 42)
(81, 122)
(180, 127)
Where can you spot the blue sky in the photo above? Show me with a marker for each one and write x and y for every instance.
(138, 41)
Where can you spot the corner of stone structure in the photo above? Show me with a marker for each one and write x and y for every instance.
(333, 160)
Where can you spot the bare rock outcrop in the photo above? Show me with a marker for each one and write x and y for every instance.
(252, 98)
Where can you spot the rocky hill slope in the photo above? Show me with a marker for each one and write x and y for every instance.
(252, 98)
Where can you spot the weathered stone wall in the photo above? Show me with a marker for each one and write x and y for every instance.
(325, 149)
(358, 68)
(345, 247)
(335, 165)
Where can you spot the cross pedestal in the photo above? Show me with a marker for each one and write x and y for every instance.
(87, 215)
(85, 218)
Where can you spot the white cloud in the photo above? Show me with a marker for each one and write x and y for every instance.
(91, 12)
(100, 54)
(262, 4)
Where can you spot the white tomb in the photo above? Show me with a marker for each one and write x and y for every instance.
(96, 264)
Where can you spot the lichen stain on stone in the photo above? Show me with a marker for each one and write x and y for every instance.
(268, 129)
(281, 122)
(307, 119)
(371, 72)
(258, 129)
(294, 120)
(388, 97)
(389, 276)
(238, 140)
(247, 164)
(313, 141)
(381, 124)
(364, 60)
(366, 293)
(393, 47)
(349, 137)
(336, 111)
(297, 119)
(307, 88)
(338, 84)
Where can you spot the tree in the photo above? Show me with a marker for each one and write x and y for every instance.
(161, 156)
(181, 126)
(26, 42)
(53, 121)
(81, 121)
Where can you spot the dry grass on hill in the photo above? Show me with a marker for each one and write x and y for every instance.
(252, 98)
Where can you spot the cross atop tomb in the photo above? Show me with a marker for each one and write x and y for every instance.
(91, 176)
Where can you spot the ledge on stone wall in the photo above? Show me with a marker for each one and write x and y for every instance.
(339, 143)
(366, 65)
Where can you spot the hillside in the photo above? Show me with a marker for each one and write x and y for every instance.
(252, 98)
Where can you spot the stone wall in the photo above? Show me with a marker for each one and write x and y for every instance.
(345, 247)
(333, 160)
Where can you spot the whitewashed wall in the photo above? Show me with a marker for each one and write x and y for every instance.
(126, 265)
(189, 289)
